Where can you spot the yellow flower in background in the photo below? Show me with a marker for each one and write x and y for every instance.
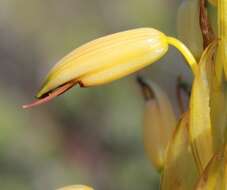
(159, 122)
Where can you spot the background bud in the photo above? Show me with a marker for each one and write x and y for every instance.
(159, 122)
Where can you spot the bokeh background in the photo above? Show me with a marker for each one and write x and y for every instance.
(86, 136)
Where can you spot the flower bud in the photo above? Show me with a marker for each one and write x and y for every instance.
(107, 59)
(159, 122)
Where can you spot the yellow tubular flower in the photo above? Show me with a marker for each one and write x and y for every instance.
(76, 187)
(107, 59)
(159, 123)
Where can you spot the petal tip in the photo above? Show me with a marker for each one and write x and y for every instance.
(44, 98)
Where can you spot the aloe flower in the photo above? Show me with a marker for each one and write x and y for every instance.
(107, 59)
(190, 154)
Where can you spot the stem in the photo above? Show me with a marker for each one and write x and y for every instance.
(185, 52)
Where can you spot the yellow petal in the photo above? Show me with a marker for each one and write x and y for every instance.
(200, 122)
(188, 27)
(154, 144)
(218, 115)
(217, 96)
(217, 99)
(214, 176)
(159, 123)
(180, 172)
(108, 58)
(76, 187)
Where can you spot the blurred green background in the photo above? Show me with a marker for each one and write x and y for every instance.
(87, 136)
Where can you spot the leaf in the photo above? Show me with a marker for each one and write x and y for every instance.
(180, 171)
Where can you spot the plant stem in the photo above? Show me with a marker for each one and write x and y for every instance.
(185, 52)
